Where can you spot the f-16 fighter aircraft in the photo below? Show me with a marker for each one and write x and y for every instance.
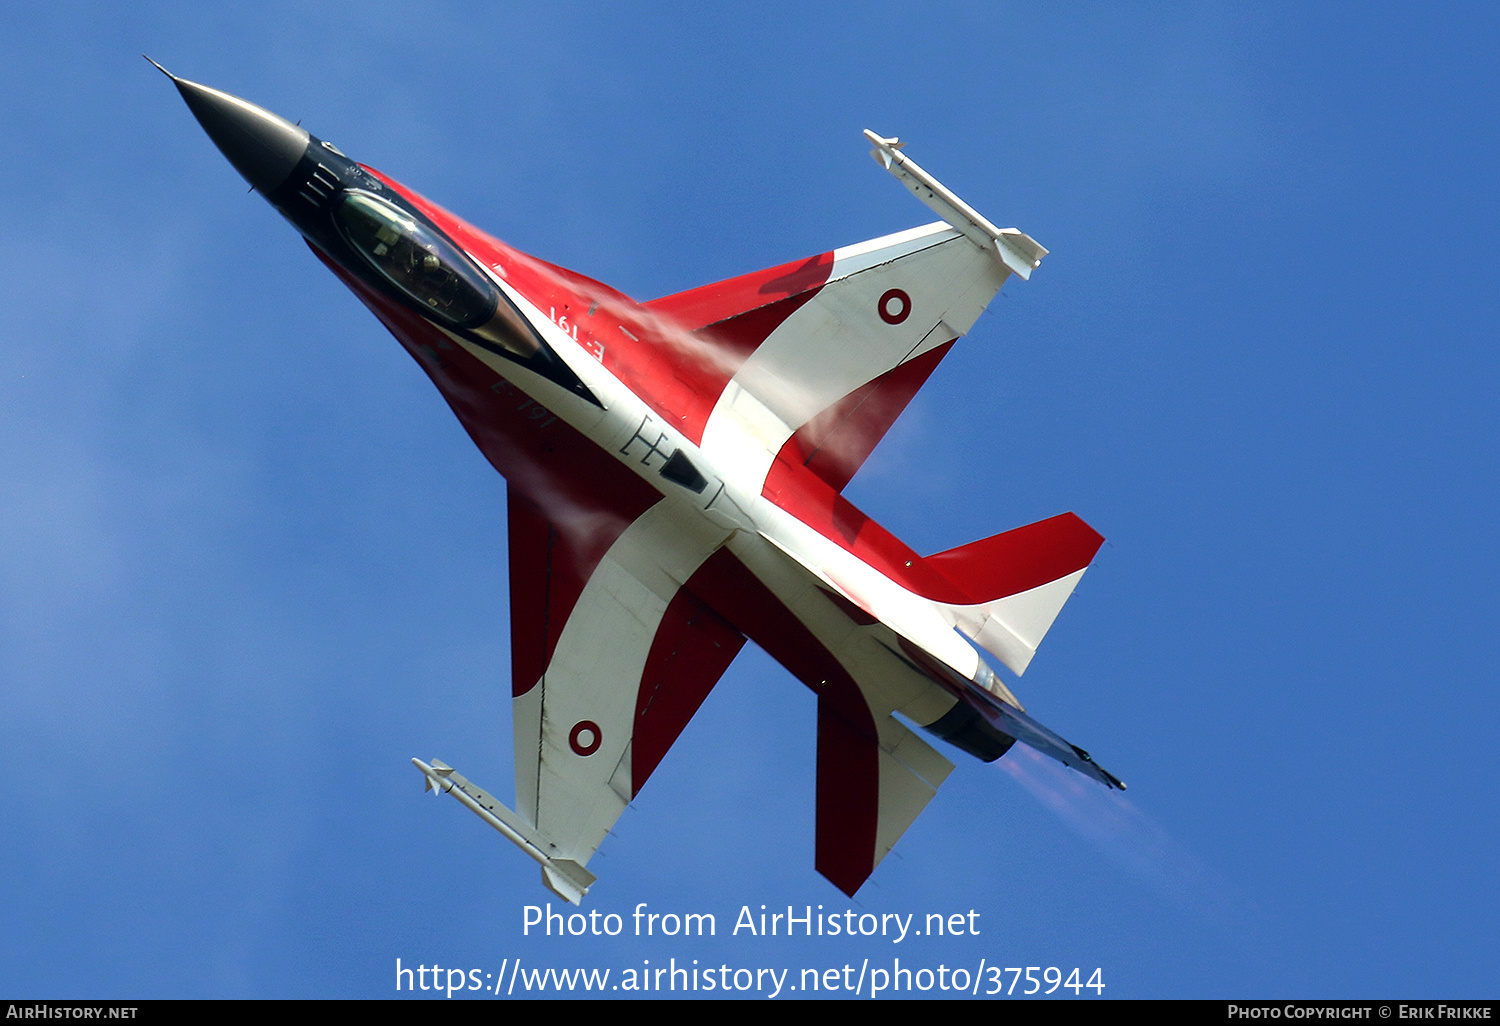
(674, 474)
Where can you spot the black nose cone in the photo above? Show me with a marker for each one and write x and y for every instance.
(262, 146)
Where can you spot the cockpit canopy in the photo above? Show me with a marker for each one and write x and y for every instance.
(417, 260)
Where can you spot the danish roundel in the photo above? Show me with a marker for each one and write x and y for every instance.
(585, 737)
(894, 306)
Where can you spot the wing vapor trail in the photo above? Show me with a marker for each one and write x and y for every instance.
(693, 347)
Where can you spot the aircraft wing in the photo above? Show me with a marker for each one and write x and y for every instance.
(817, 358)
(611, 659)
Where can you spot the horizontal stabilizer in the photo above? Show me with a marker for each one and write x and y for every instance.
(874, 778)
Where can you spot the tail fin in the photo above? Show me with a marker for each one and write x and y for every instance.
(1019, 582)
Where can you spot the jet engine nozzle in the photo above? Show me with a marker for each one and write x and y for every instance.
(263, 147)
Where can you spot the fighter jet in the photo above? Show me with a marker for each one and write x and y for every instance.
(674, 473)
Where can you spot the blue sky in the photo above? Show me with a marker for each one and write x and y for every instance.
(250, 565)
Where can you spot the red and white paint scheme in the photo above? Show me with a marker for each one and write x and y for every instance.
(675, 470)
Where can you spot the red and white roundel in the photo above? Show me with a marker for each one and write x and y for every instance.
(585, 737)
(894, 306)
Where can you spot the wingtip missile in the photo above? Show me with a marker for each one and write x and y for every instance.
(566, 878)
(885, 149)
(1015, 249)
(434, 775)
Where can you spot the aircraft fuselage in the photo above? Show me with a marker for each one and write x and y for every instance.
(674, 471)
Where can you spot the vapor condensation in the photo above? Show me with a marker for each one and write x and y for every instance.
(1130, 837)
